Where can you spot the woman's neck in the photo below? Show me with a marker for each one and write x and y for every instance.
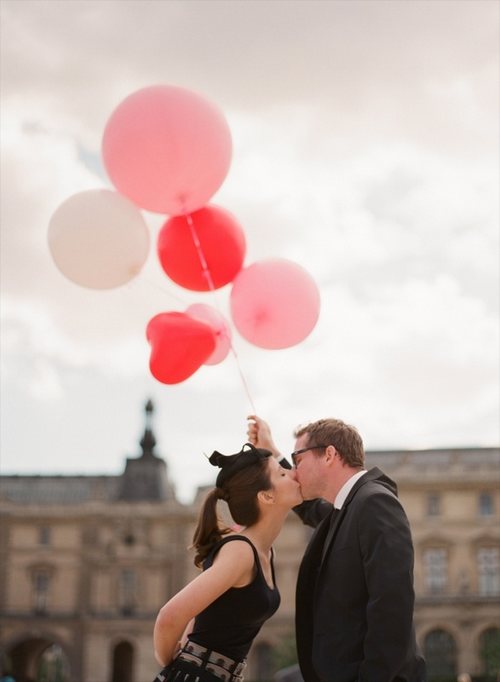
(265, 531)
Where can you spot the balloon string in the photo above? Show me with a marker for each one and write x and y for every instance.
(242, 377)
(208, 276)
(163, 290)
(203, 261)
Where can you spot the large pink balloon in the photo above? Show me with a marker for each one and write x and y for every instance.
(274, 303)
(167, 149)
(98, 239)
(222, 332)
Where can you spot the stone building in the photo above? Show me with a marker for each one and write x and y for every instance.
(86, 561)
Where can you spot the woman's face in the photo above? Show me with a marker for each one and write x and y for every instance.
(285, 486)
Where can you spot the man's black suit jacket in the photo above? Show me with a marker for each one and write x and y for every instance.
(355, 596)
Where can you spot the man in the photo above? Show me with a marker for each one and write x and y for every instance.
(355, 597)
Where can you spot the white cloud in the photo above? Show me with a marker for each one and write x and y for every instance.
(365, 148)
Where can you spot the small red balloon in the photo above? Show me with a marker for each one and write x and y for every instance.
(202, 251)
(179, 346)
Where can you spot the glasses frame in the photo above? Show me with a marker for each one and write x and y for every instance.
(295, 453)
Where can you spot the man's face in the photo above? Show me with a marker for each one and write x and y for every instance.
(309, 466)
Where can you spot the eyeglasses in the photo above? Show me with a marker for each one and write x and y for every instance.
(295, 454)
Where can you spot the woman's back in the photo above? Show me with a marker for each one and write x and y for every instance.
(231, 622)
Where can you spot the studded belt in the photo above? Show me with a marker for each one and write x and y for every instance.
(221, 666)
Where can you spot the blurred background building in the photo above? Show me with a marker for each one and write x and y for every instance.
(86, 562)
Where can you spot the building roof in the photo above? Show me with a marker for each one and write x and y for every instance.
(144, 479)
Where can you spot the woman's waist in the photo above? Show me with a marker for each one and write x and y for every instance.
(223, 666)
(233, 644)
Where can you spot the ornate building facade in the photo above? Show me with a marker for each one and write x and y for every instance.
(86, 562)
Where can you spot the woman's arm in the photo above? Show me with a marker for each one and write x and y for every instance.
(233, 565)
(311, 512)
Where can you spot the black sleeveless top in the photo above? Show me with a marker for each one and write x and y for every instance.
(230, 624)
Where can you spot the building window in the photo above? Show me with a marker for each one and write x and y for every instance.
(123, 663)
(53, 665)
(486, 504)
(128, 591)
(41, 585)
(489, 647)
(433, 504)
(436, 569)
(440, 653)
(488, 570)
(44, 535)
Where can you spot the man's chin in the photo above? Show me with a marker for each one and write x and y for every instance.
(306, 496)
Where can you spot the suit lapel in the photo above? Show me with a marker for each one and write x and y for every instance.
(337, 518)
(313, 551)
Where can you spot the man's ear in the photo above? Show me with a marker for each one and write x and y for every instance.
(265, 496)
(330, 453)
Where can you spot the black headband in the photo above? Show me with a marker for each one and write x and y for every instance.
(231, 464)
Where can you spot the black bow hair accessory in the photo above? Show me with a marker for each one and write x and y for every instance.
(231, 464)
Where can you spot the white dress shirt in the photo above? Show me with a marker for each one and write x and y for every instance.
(346, 489)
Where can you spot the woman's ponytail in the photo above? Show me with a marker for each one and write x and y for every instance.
(209, 530)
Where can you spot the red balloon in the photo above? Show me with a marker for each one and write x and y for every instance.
(179, 346)
(202, 251)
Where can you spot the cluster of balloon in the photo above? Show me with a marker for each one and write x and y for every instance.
(168, 150)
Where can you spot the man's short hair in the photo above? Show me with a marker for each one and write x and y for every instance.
(344, 437)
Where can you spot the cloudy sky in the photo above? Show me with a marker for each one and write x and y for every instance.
(366, 149)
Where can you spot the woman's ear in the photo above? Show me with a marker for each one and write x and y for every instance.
(265, 496)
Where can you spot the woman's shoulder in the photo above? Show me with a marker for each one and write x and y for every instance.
(234, 547)
(236, 542)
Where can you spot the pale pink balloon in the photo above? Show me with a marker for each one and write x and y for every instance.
(206, 313)
(167, 149)
(98, 239)
(274, 303)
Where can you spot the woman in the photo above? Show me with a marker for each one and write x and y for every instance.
(204, 633)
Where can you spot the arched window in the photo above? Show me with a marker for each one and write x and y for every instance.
(489, 651)
(39, 659)
(440, 653)
(123, 662)
(53, 665)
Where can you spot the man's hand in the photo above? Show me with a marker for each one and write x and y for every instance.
(259, 434)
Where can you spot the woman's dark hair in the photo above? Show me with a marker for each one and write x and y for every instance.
(240, 493)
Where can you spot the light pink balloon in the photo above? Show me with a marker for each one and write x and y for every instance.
(206, 313)
(167, 149)
(274, 303)
(98, 239)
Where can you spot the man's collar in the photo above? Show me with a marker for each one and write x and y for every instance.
(346, 489)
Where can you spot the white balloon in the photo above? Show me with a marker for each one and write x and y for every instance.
(98, 239)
